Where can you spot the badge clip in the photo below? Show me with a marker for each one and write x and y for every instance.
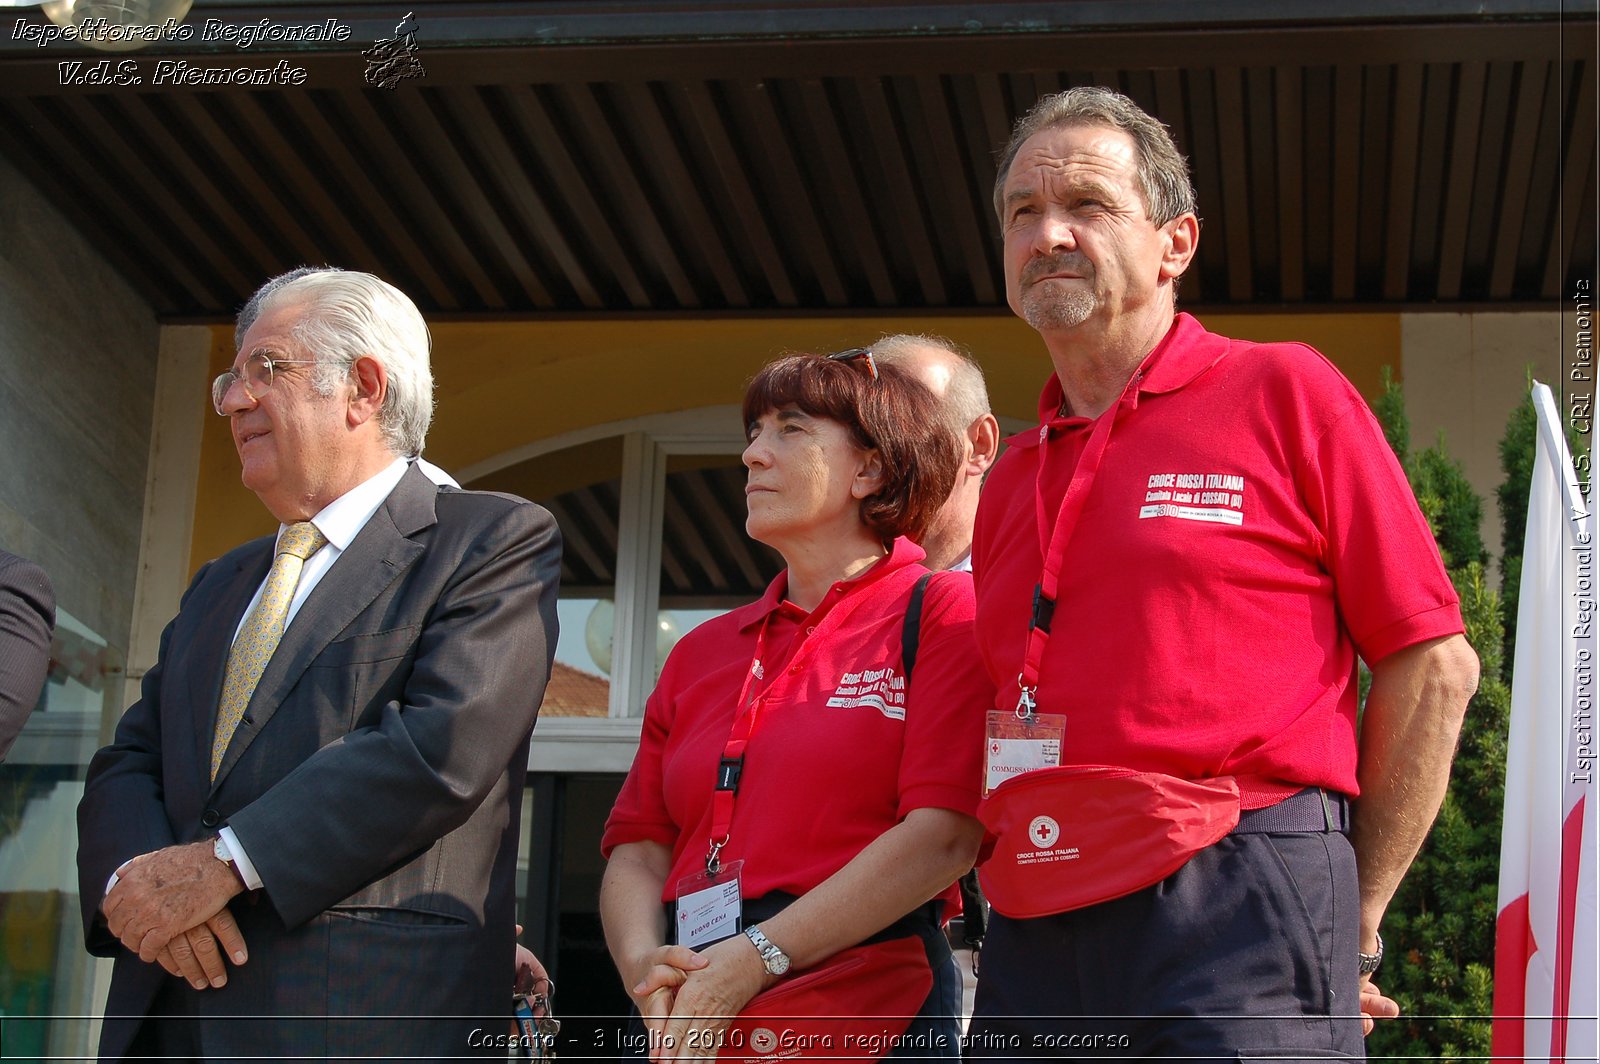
(713, 858)
(1026, 703)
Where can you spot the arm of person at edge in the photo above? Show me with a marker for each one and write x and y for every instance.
(1408, 739)
(27, 619)
(898, 871)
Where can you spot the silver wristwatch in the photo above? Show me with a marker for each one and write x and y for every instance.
(775, 959)
(1367, 963)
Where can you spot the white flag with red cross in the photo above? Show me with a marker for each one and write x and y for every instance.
(1546, 962)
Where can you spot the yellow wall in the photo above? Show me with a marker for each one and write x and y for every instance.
(503, 385)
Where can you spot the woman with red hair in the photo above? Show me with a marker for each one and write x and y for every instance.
(794, 795)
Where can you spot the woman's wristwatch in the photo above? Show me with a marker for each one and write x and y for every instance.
(775, 959)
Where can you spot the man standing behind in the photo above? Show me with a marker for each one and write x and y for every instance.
(1184, 562)
(957, 382)
(323, 772)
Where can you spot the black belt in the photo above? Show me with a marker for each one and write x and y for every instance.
(924, 921)
(1312, 809)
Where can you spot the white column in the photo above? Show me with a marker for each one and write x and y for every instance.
(638, 588)
(182, 404)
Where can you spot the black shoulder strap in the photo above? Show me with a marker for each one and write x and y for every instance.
(913, 627)
(974, 908)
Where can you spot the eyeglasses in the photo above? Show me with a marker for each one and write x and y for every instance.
(256, 377)
(857, 354)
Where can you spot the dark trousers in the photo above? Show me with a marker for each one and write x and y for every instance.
(170, 1031)
(174, 1031)
(936, 1032)
(1248, 952)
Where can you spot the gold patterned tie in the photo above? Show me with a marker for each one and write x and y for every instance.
(261, 632)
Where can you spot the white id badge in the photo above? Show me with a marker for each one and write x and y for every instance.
(1013, 745)
(709, 907)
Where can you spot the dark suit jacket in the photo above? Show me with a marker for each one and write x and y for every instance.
(27, 617)
(375, 782)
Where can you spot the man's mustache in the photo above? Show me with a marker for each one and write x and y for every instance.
(1071, 262)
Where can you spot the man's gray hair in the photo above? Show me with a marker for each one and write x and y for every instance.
(348, 315)
(1162, 170)
(967, 398)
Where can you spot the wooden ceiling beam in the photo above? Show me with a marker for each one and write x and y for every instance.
(1458, 179)
(169, 209)
(680, 192)
(684, 534)
(789, 199)
(108, 209)
(479, 209)
(342, 236)
(1195, 124)
(577, 539)
(511, 169)
(551, 148)
(941, 164)
(1237, 203)
(626, 203)
(1534, 240)
(245, 243)
(695, 99)
(40, 163)
(1432, 173)
(1260, 170)
(1291, 184)
(702, 489)
(1345, 230)
(599, 505)
(851, 230)
(364, 195)
(1488, 190)
(344, 232)
(1406, 102)
(251, 191)
(1516, 168)
(1577, 175)
(900, 197)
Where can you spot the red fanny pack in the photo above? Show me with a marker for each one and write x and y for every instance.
(852, 1007)
(1079, 835)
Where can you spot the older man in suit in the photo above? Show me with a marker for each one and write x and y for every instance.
(27, 617)
(323, 773)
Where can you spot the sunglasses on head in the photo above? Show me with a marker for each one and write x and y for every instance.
(857, 355)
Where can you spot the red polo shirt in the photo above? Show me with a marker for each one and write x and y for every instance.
(1248, 533)
(842, 749)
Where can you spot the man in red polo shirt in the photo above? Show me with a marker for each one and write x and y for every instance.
(1225, 532)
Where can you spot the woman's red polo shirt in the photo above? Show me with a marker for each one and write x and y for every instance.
(842, 749)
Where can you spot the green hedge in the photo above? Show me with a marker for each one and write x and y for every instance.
(1439, 930)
